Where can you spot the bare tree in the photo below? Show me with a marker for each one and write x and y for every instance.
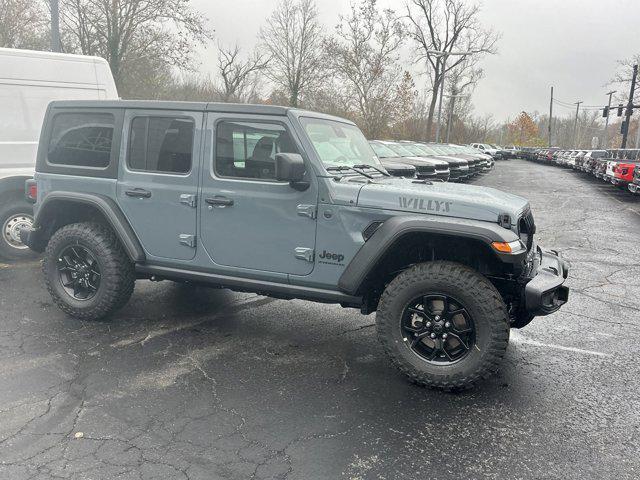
(239, 76)
(448, 26)
(134, 35)
(622, 79)
(364, 58)
(292, 39)
(23, 24)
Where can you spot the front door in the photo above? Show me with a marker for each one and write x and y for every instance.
(248, 219)
(158, 180)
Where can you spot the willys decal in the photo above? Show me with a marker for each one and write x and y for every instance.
(425, 205)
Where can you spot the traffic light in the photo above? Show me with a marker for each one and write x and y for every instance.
(620, 108)
(605, 112)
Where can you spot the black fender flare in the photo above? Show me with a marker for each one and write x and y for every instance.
(394, 228)
(105, 205)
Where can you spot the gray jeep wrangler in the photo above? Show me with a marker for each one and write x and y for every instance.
(291, 204)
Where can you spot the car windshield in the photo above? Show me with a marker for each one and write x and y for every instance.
(400, 150)
(339, 144)
(437, 150)
(382, 151)
(444, 149)
(428, 150)
(414, 149)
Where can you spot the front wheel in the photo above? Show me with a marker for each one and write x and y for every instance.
(87, 272)
(443, 324)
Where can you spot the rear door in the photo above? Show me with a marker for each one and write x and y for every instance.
(158, 180)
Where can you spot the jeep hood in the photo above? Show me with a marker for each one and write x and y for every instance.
(447, 199)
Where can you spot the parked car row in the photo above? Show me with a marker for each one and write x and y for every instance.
(497, 152)
(431, 161)
(620, 167)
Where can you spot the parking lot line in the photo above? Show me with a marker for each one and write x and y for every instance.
(4, 266)
(518, 338)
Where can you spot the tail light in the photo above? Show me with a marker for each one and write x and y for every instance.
(31, 190)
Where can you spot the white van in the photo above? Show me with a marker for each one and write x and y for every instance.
(29, 80)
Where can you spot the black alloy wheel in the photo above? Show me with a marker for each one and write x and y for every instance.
(79, 272)
(438, 328)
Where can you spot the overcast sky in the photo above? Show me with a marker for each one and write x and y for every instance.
(570, 44)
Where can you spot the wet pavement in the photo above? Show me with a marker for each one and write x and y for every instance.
(192, 383)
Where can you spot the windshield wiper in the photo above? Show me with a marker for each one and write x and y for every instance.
(342, 168)
(364, 165)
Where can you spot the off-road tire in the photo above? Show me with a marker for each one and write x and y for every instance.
(116, 269)
(482, 301)
(10, 209)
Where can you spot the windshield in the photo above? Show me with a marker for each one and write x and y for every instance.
(400, 150)
(339, 144)
(414, 149)
(382, 151)
(428, 150)
(444, 149)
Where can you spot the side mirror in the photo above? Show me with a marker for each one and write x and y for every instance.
(290, 168)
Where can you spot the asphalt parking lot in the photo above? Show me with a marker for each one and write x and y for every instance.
(207, 384)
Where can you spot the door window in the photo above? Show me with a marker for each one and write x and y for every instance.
(248, 150)
(161, 144)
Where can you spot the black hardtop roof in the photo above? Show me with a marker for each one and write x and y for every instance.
(239, 108)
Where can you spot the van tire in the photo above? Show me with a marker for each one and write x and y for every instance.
(117, 277)
(14, 214)
(471, 291)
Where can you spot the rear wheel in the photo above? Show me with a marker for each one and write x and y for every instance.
(87, 273)
(14, 216)
(443, 324)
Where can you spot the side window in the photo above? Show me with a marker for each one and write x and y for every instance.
(248, 149)
(81, 139)
(161, 144)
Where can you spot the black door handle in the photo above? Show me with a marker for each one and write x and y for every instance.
(219, 201)
(138, 193)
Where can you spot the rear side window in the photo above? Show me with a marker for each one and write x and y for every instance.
(161, 144)
(81, 139)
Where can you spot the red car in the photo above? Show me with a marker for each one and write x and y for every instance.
(623, 173)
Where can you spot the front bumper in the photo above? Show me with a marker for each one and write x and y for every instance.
(545, 293)
(633, 187)
(442, 175)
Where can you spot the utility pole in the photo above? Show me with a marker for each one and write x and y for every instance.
(445, 55)
(550, 116)
(627, 120)
(575, 125)
(55, 26)
(606, 122)
(451, 100)
(444, 67)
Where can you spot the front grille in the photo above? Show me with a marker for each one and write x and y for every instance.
(526, 229)
(442, 168)
(425, 169)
